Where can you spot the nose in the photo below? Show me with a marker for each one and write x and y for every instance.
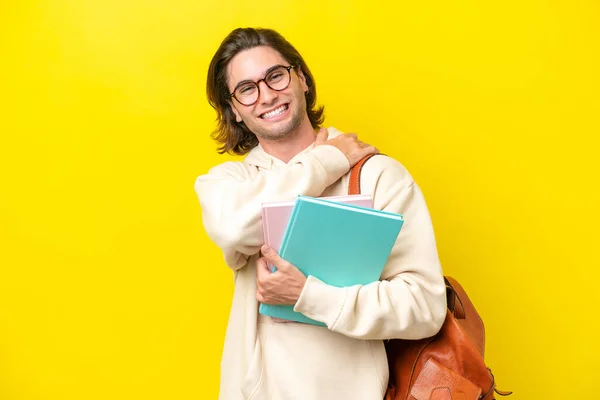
(267, 95)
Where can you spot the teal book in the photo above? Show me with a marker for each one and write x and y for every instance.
(340, 244)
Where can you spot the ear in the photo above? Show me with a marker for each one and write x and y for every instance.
(302, 79)
(238, 117)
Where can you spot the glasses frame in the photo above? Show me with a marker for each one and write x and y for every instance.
(256, 83)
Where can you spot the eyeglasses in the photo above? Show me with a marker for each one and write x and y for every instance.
(277, 78)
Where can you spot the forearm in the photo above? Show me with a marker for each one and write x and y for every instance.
(231, 199)
(409, 306)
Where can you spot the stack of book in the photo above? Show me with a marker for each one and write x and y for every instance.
(340, 240)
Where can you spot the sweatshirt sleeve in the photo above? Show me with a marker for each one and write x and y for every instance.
(409, 301)
(231, 194)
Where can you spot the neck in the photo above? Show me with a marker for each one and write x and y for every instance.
(287, 148)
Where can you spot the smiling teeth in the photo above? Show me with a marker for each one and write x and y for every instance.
(275, 112)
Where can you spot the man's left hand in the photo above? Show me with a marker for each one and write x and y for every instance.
(282, 287)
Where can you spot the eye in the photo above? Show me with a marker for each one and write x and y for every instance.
(246, 89)
(276, 76)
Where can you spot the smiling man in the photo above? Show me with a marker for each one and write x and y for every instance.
(265, 98)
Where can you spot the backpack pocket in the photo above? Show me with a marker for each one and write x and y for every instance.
(436, 382)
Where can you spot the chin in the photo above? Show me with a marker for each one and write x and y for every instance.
(278, 131)
(275, 135)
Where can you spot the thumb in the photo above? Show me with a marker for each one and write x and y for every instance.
(272, 257)
(262, 269)
(322, 136)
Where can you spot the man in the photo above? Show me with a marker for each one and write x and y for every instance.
(265, 97)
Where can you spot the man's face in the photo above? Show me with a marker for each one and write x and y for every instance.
(276, 114)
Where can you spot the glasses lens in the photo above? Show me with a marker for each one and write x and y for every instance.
(247, 93)
(278, 79)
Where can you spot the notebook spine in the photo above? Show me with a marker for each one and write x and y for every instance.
(291, 223)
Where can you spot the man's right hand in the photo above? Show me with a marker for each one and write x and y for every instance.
(348, 143)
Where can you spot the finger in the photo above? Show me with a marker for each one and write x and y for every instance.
(273, 258)
(260, 297)
(351, 135)
(262, 269)
(321, 136)
(370, 150)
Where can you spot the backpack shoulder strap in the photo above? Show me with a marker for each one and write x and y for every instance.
(354, 184)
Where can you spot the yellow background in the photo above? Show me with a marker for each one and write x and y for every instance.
(109, 288)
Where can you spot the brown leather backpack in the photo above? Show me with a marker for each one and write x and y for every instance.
(449, 365)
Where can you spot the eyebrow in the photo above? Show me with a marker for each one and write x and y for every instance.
(267, 72)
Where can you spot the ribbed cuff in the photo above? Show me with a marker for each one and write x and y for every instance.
(321, 302)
